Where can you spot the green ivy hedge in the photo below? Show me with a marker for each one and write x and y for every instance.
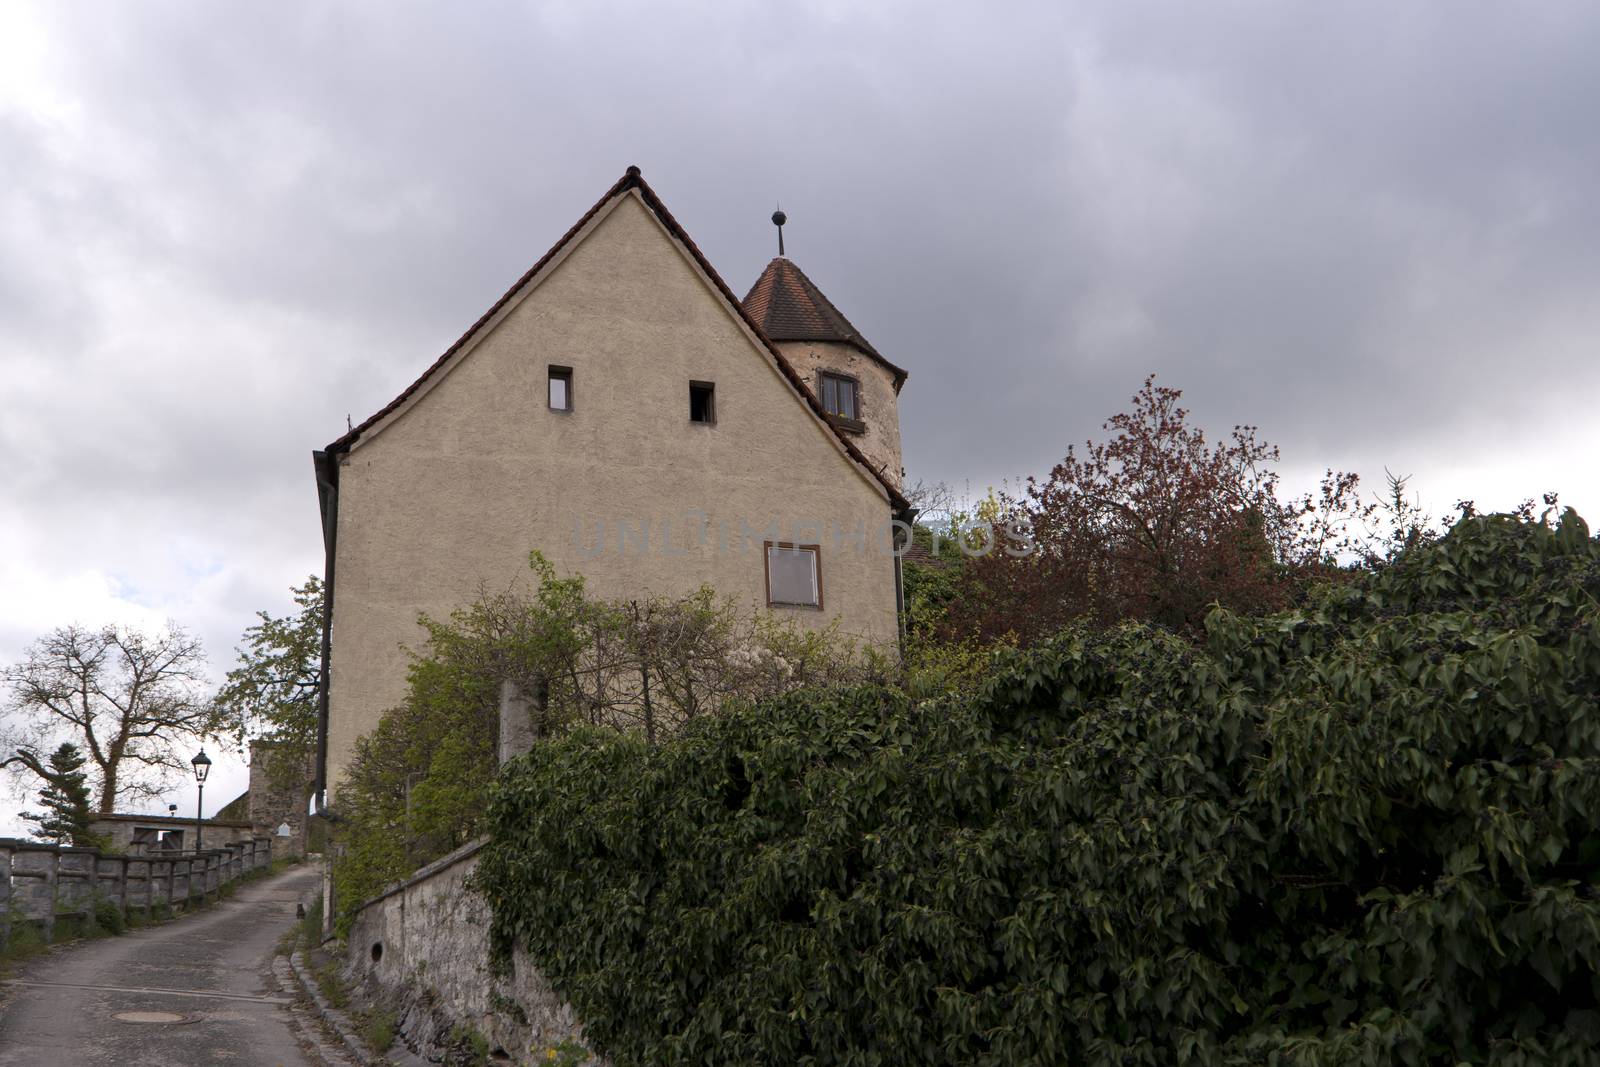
(1363, 832)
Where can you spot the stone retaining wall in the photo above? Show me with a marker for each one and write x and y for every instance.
(41, 884)
(423, 946)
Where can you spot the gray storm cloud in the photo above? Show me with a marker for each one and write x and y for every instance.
(1368, 228)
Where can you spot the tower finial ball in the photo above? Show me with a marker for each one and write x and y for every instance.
(779, 218)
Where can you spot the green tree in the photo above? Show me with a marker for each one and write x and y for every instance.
(65, 796)
(272, 693)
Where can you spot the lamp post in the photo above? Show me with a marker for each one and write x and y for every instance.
(202, 767)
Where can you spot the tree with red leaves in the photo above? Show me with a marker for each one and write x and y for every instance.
(1155, 523)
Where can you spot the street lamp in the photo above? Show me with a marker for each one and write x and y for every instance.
(202, 767)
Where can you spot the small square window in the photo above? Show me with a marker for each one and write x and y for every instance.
(839, 396)
(702, 402)
(560, 388)
(794, 575)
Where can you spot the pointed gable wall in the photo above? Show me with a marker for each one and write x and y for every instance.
(449, 491)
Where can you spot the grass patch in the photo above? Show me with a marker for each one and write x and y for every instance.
(468, 1048)
(332, 985)
(569, 1053)
(26, 940)
(377, 1029)
(501, 1004)
(75, 928)
(309, 929)
(306, 933)
(109, 917)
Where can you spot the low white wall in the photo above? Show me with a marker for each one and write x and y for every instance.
(40, 883)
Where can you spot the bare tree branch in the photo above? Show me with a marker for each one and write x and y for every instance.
(127, 696)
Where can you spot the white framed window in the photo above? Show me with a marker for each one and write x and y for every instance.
(839, 396)
(560, 388)
(794, 575)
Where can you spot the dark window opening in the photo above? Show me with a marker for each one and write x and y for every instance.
(839, 396)
(560, 388)
(702, 402)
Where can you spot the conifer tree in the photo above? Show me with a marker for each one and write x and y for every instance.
(65, 798)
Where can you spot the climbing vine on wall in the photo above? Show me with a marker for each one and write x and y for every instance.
(1359, 832)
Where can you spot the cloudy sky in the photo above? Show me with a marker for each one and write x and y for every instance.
(1369, 228)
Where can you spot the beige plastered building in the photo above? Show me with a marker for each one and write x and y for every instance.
(622, 412)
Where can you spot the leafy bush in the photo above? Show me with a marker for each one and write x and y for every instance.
(109, 917)
(1359, 833)
(23, 939)
(932, 661)
(416, 787)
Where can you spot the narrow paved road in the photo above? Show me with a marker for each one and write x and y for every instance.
(212, 969)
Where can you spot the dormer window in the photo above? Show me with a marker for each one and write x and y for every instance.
(841, 400)
(839, 396)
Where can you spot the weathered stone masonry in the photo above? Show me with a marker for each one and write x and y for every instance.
(424, 945)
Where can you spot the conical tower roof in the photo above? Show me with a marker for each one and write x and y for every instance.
(789, 307)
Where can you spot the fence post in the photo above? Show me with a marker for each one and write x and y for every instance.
(180, 870)
(136, 874)
(161, 884)
(122, 882)
(111, 880)
(5, 894)
(517, 732)
(33, 888)
(74, 882)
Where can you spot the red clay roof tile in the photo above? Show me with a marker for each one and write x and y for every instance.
(789, 307)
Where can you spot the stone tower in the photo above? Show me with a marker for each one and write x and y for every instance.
(859, 387)
(280, 794)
